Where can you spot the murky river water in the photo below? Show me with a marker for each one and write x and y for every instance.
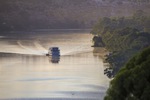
(26, 73)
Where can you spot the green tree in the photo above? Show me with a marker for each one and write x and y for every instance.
(133, 81)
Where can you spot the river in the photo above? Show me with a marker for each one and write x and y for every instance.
(27, 74)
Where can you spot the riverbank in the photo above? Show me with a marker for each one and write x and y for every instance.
(103, 53)
(100, 51)
(113, 60)
(121, 38)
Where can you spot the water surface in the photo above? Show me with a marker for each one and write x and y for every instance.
(25, 71)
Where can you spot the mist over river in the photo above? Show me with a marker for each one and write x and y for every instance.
(26, 73)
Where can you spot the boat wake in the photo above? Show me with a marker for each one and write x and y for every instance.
(36, 49)
(23, 47)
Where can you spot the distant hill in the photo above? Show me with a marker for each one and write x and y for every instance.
(47, 14)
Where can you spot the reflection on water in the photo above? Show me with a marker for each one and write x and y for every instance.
(102, 53)
(54, 59)
(25, 71)
(109, 72)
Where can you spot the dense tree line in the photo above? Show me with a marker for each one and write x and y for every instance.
(133, 81)
(123, 36)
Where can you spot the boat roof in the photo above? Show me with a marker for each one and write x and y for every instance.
(53, 48)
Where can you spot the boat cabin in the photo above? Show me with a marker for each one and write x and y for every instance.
(53, 51)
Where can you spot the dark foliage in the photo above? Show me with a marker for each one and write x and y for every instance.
(123, 36)
(98, 41)
(133, 81)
